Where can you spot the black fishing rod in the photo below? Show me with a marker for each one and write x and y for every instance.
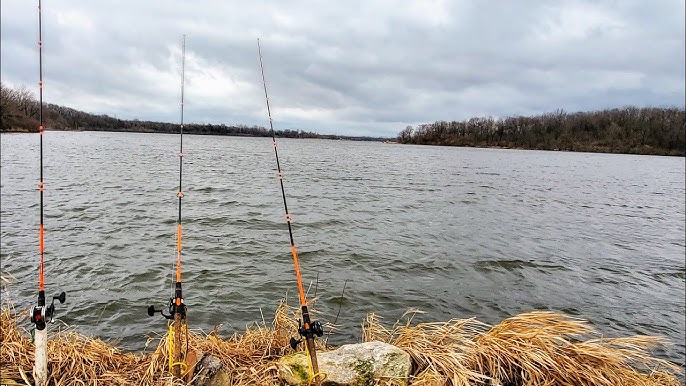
(308, 329)
(41, 314)
(177, 308)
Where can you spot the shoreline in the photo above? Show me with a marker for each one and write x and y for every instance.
(531, 348)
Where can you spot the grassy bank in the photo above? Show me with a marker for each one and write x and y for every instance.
(537, 348)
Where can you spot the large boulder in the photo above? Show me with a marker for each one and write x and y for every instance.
(350, 365)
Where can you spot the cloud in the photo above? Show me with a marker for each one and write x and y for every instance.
(357, 67)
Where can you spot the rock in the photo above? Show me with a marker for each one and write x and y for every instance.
(293, 369)
(210, 372)
(350, 365)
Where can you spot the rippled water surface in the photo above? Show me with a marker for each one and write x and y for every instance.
(455, 232)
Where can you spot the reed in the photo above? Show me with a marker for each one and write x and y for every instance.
(535, 348)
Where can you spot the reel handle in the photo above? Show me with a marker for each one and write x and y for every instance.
(152, 311)
(61, 297)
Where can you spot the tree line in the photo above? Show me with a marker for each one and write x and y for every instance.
(649, 130)
(19, 112)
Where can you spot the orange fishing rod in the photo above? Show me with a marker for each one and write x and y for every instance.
(308, 329)
(41, 314)
(177, 307)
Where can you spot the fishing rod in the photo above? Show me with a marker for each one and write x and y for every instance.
(41, 314)
(177, 308)
(308, 328)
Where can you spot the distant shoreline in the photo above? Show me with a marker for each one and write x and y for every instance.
(385, 141)
(320, 136)
(626, 130)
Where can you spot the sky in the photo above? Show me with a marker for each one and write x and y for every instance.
(355, 67)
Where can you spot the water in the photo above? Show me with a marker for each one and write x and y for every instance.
(455, 232)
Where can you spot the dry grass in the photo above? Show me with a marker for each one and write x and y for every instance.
(74, 359)
(440, 351)
(537, 348)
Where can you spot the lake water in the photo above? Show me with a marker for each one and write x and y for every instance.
(455, 232)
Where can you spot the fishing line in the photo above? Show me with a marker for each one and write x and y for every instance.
(40, 313)
(307, 329)
(340, 306)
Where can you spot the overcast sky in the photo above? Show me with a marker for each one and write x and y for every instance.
(347, 67)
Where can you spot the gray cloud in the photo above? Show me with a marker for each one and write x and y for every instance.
(356, 67)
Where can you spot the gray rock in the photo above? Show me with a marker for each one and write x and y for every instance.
(210, 372)
(351, 365)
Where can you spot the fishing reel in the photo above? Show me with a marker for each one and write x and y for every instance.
(176, 305)
(40, 312)
(173, 309)
(315, 328)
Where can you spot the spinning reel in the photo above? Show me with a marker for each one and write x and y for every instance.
(315, 328)
(176, 306)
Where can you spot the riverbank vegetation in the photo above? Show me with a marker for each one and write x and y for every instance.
(536, 348)
(19, 113)
(633, 130)
(650, 130)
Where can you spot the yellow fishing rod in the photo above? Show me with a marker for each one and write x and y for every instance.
(177, 308)
(41, 314)
(308, 329)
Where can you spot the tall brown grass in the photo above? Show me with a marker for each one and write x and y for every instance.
(536, 348)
